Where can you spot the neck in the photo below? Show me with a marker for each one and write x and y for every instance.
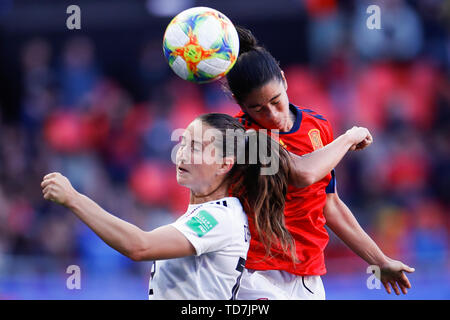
(289, 123)
(201, 197)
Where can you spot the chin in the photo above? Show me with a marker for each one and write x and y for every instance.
(182, 181)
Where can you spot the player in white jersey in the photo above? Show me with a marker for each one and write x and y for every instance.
(218, 231)
(203, 253)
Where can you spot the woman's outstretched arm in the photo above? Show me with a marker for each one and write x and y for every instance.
(312, 167)
(343, 223)
(162, 243)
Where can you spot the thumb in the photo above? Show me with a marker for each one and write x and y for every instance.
(408, 268)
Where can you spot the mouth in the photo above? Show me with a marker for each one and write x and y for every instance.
(181, 170)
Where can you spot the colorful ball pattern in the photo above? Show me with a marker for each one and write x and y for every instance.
(201, 44)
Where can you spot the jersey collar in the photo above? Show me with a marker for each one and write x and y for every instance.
(298, 119)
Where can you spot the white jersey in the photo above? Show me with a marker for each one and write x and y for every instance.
(218, 230)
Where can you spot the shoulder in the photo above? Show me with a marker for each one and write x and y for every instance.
(313, 121)
(309, 113)
(245, 120)
(230, 208)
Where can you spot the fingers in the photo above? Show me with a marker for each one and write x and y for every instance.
(408, 269)
(394, 286)
(47, 193)
(405, 281)
(366, 142)
(47, 183)
(361, 137)
(51, 175)
(47, 178)
(362, 145)
(403, 288)
(386, 286)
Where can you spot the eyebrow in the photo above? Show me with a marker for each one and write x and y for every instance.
(256, 105)
(194, 141)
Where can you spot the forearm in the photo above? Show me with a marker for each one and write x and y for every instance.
(346, 227)
(312, 167)
(117, 233)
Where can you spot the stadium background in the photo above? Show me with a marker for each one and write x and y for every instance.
(99, 105)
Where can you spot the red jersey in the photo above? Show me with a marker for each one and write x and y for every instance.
(304, 206)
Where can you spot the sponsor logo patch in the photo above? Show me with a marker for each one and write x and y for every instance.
(202, 223)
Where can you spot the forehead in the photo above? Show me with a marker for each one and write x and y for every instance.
(197, 126)
(199, 132)
(264, 93)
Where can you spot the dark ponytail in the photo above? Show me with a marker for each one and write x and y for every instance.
(254, 67)
(247, 40)
(262, 195)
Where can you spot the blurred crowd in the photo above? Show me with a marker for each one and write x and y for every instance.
(115, 145)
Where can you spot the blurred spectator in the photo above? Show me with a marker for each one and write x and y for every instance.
(79, 71)
(152, 70)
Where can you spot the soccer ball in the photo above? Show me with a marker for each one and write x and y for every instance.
(201, 44)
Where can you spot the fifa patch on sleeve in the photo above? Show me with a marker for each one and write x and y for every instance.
(202, 223)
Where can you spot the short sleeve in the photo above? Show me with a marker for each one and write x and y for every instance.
(208, 230)
(329, 132)
(331, 188)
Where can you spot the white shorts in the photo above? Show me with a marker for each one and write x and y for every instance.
(279, 285)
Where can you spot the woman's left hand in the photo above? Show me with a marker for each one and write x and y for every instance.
(392, 273)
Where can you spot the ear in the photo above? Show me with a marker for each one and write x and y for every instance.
(226, 166)
(284, 80)
(236, 101)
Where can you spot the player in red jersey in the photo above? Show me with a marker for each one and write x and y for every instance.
(258, 85)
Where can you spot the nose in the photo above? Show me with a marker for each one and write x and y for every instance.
(271, 112)
(181, 155)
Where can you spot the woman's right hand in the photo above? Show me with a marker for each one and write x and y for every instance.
(360, 138)
(57, 188)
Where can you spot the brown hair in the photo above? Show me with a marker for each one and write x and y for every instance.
(262, 196)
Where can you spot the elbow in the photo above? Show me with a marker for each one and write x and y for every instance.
(136, 254)
(309, 179)
(304, 179)
(136, 250)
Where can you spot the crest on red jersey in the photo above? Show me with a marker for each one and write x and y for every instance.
(314, 136)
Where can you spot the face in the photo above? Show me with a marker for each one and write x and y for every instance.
(269, 105)
(198, 165)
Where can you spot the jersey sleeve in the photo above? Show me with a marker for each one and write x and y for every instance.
(331, 188)
(208, 230)
(329, 132)
(245, 120)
